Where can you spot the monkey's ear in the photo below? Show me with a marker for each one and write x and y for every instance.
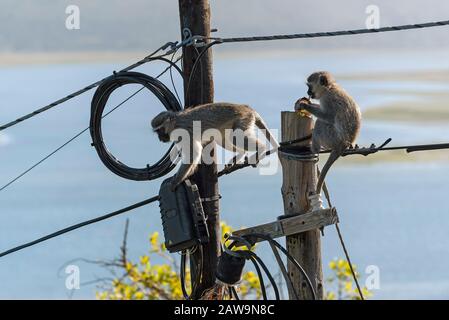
(323, 81)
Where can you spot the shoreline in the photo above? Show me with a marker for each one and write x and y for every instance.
(9, 59)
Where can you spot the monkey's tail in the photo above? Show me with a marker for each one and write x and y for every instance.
(263, 126)
(334, 155)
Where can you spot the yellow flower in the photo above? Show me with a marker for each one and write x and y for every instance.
(225, 229)
(139, 295)
(128, 266)
(154, 241)
(144, 260)
(330, 296)
(348, 286)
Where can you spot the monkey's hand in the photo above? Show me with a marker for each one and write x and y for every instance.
(301, 104)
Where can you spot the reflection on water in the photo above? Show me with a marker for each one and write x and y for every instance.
(393, 215)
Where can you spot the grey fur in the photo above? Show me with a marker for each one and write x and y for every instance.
(219, 116)
(338, 118)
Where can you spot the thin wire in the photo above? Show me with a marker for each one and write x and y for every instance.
(172, 79)
(260, 276)
(79, 225)
(354, 276)
(332, 33)
(342, 242)
(267, 272)
(61, 146)
(195, 65)
(79, 133)
(238, 39)
(202, 75)
(290, 257)
(347, 152)
(81, 91)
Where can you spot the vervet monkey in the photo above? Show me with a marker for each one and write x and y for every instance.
(338, 118)
(229, 120)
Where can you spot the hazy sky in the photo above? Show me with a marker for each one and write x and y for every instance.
(31, 25)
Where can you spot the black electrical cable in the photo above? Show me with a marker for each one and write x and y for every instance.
(148, 58)
(171, 65)
(331, 33)
(245, 254)
(267, 272)
(289, 256)
(260, 276)
(234, 293)
(194, 67)
(99, 102)
(303, 154)
(182, 275)
(290, 142)
(283, 269)
(79, 225)
(195, 282)
(171, 75)
(201, 75)
(342, 242)
(255, 259)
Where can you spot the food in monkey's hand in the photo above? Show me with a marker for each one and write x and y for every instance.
(301, 111)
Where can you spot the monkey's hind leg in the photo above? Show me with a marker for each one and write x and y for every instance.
(255, 144)
(234, 142)
(236, 159)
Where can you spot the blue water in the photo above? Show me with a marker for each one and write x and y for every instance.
(392, 215)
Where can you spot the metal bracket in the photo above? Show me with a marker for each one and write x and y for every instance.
(188, 40)
(213, 198)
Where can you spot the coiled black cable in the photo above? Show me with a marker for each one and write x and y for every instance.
(99, 101)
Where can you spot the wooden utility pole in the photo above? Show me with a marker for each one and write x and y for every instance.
(195, 15)
(299, 179)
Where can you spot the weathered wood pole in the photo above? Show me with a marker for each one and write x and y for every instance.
(299, 179)
(195, 15)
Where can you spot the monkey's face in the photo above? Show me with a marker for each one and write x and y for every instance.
(315, 91)
(318, 83)
(310, 91)
(163, 125)
(162, 135)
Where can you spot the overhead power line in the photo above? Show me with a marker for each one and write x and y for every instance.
(81, 132)
(200, 41)
(86, 89)
(79, 225)
(332, 33)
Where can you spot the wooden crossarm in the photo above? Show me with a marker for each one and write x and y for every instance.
(293, 225)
